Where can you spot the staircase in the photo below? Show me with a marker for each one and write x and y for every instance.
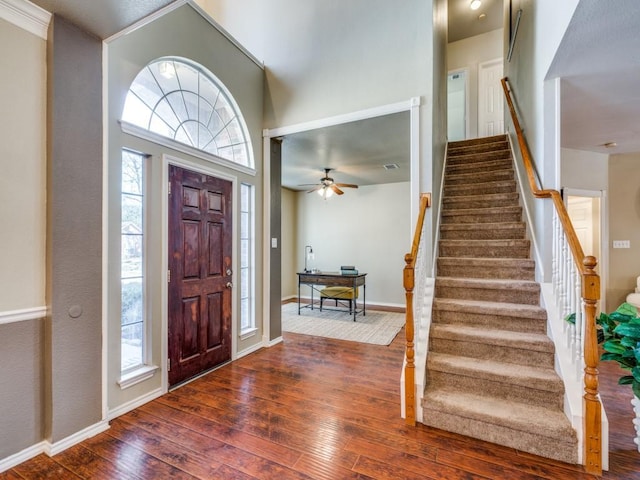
(490, 368)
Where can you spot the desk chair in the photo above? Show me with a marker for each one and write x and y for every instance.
(342, 293)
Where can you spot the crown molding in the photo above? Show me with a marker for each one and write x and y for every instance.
(26, 15)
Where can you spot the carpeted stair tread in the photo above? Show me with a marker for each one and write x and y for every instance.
(483, 231)
(478, 148)
(478, 177)
(481, 201)
(520, 340)
(491, 186)
(533, 312)
(500, 248)
(477, 141)
(484, 164)
(516, 416)
(464, 158)
(502, 268)
(511, 374)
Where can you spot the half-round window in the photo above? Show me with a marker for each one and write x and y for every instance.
(183, 101)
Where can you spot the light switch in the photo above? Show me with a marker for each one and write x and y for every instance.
(621, 244)
(274, 243)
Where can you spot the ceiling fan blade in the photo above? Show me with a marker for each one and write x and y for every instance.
(315, 189)
(347, 185)
(336, 189)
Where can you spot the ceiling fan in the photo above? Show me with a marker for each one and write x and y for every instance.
(328, 187)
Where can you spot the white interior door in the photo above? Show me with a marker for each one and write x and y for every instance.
(490, 109)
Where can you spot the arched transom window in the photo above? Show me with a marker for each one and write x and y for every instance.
(183, 101)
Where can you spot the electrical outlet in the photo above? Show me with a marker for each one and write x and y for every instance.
(621, 244)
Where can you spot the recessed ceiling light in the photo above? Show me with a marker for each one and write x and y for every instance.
(475, 4)
(482, 16)
(609, 144)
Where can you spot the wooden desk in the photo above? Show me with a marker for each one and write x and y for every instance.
(333, 279)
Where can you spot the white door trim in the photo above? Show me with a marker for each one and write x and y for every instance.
(412, 106)
(211, 171)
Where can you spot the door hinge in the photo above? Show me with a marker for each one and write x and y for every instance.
(168, 276)
(169, 188)
(168, 364)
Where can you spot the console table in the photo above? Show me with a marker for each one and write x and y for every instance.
(332, 279)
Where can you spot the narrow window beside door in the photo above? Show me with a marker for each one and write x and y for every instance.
(247, 245)
(132, 262)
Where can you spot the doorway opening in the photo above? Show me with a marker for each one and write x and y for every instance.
(585, 209)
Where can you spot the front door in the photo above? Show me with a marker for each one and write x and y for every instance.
(199, 273)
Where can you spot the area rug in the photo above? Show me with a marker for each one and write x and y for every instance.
(376, 327)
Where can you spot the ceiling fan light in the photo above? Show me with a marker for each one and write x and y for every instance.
(475, 4)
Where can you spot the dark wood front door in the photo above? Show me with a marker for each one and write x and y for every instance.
(199, 273)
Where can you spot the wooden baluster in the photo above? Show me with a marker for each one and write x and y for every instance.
(592, 407)
(410, 367)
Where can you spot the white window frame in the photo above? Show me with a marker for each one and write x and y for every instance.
(251, 329)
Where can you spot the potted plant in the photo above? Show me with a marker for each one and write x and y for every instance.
(619, 334)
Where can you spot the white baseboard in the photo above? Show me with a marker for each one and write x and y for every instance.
(135, 403)
(275, 341)
(22, 456)
(52, 449)
(247, 351)
(370, 304)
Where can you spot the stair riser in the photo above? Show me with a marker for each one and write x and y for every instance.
(480, 148)
(479, 189)
(502, 273)
(531, 358)
(468, 167)
(508, 391)
(478, 158)
(515, 324)
(524, 441)
(516, 233)
(449, 217)
(478, 177)
(453, 203)
(478, 141)
(483, 251)
(511, 295)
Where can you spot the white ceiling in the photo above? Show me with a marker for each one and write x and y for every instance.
(356, 151)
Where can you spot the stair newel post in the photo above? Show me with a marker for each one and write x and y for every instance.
(409, 372)
(593, 416)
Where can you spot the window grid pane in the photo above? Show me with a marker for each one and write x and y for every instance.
(169, 94)
(132, 245)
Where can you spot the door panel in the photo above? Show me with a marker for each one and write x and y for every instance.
(200, 270)
(490, 109)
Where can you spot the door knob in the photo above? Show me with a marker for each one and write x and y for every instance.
(229, 284)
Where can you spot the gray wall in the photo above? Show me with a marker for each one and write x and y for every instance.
(74, 231)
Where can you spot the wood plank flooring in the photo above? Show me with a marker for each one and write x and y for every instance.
(309, 407)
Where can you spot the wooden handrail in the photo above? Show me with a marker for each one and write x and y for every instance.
(590, 296)
(408, 275)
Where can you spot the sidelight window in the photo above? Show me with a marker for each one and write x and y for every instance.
(247, 251)
(132, 261)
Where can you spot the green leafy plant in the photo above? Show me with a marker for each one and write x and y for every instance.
(619, 334)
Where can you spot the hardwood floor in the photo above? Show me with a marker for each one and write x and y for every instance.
(309, 407)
